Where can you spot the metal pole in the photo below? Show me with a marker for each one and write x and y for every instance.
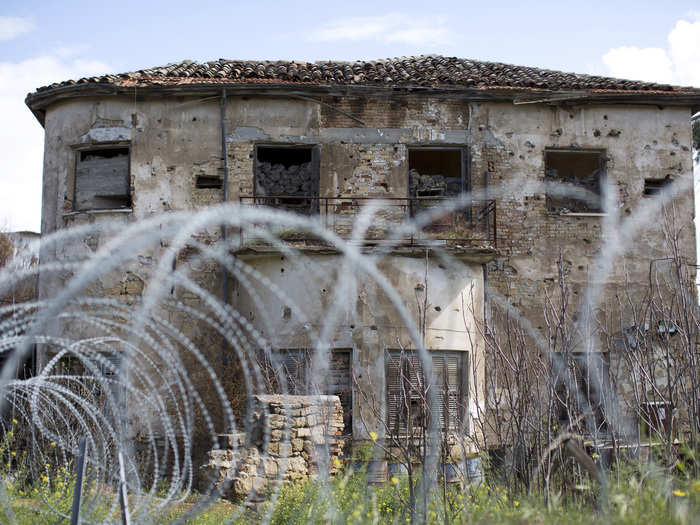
(123, 502)
(78, 490)
(224, 155)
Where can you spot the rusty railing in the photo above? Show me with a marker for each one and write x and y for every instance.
(472, 222)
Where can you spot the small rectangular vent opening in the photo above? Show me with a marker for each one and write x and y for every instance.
(209, 182)
(655, 186)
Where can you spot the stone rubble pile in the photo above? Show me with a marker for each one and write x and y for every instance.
(291, 438)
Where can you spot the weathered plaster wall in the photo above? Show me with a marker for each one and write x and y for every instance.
(174, 140)
(639, 143)
(369, 322)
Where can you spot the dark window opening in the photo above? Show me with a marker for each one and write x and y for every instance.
(295, 367)
(408, 407)
(655, 186)
(439, 173)
(25, 368)
(581, 169)
(209, 182)
(582, 388)
(436, 172)
(102, 179)
(288, 177)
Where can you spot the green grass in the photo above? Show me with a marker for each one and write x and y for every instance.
(652, 498)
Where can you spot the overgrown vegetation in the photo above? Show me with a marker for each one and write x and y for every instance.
(637, 494)
(634, 497)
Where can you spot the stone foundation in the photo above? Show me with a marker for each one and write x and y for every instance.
(290, 438)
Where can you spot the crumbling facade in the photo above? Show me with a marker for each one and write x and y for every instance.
(324, 139)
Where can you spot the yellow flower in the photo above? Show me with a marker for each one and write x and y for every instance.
(21, 493)
(373, 436)
(14, 421)
(395, 480)
(53, 443)
(337, 463)
(516, 503)
(36, 491)
(13, 453)
(679, 493)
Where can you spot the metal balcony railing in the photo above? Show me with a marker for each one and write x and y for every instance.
(471, 223)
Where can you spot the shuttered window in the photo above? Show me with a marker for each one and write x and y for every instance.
(102, 179)
(295, 366)
(408, 392)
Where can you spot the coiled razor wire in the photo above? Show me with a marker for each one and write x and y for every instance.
(126, 374)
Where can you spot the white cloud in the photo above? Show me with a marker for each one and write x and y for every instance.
(13, 26)
(650, 63)
(684, 48)
(678, 64)
(392, 27)
(22, 137)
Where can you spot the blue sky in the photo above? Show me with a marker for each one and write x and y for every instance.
(43, 42)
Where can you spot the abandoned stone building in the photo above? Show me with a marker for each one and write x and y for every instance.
(324, 139)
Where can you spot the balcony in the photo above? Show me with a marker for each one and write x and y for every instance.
(471, 224)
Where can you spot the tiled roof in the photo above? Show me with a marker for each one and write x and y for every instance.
(423, 71)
